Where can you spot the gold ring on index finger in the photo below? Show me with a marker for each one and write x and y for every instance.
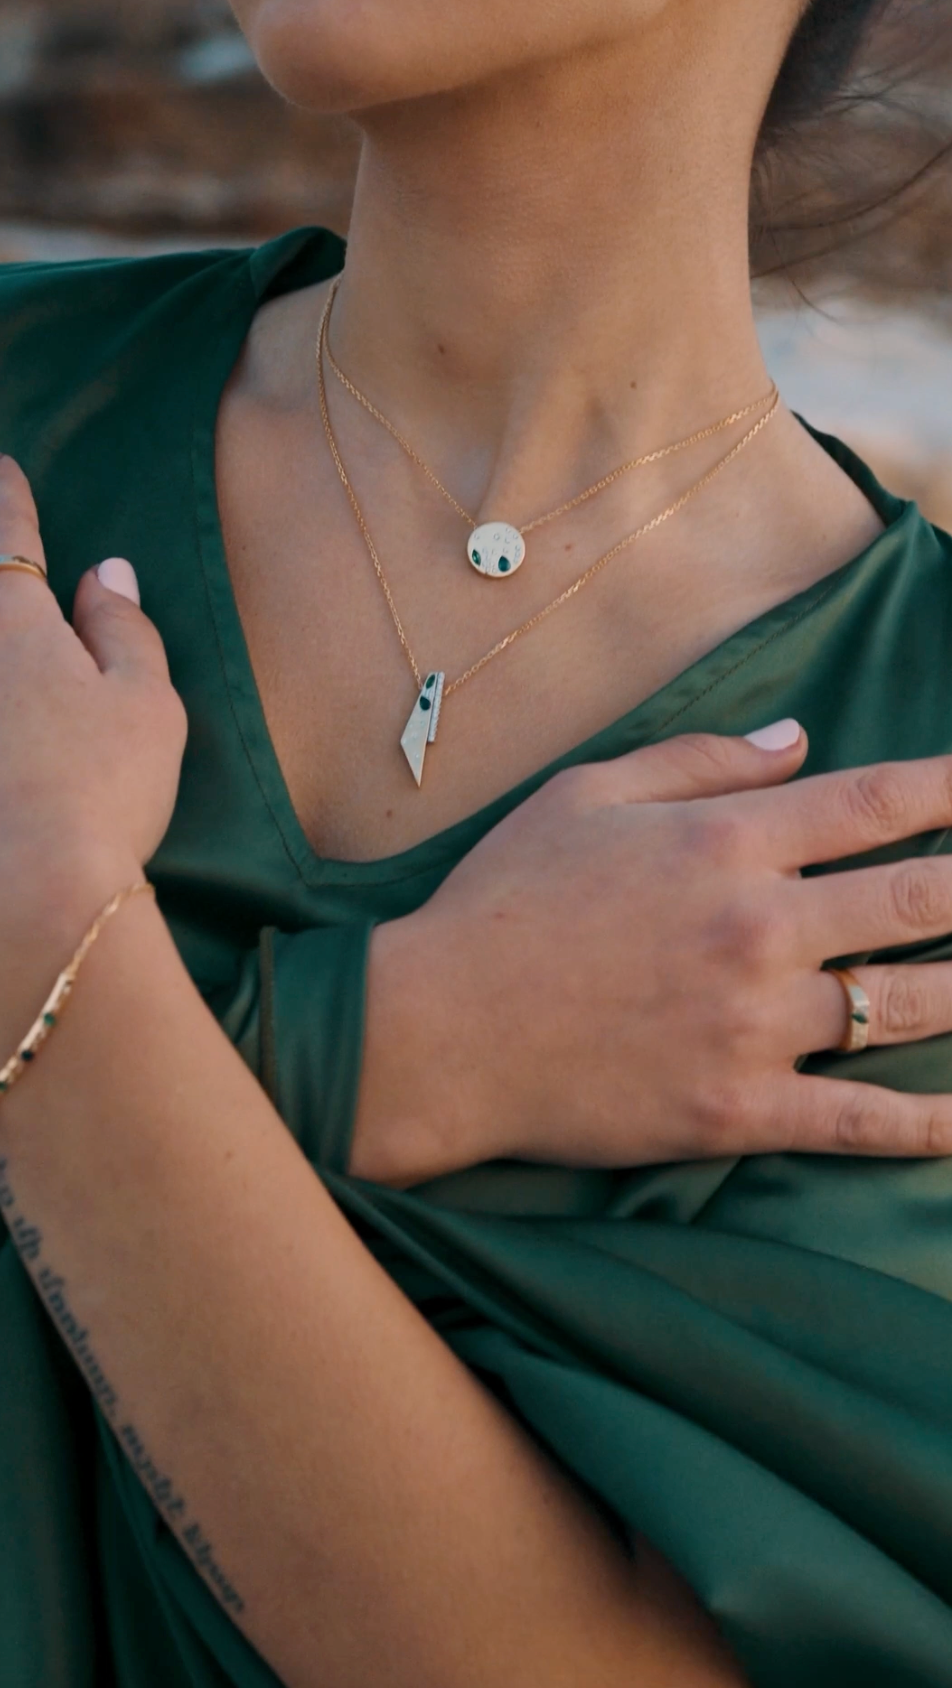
(24, 565)
(856, 1036)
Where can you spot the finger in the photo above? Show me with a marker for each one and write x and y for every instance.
(830, 816)
(20, 537)
(829, 1116)
(873, 908)
(19, 522)
(906, 1003)
(701, 765)
(113, 628)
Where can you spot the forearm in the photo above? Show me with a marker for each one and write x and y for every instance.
(239, 1337)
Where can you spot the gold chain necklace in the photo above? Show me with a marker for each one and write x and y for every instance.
(432, 690)
(497, 549)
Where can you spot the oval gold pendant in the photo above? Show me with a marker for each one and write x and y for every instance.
(496, 549)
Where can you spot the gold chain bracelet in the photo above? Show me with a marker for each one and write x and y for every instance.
(62, 990)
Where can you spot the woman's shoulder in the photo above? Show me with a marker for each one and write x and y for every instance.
(67, 326)
(874, 652)
(94, 347)
(52, 296)
(99, 365)
(906, 570)
(30, 292)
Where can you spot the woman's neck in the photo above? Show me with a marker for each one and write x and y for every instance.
(551, 272)
(544, 278)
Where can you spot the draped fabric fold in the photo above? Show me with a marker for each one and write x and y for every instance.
(749, 1360)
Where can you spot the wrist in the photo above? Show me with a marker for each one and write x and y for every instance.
(427, 1104)
(57, 880)
(44, 913)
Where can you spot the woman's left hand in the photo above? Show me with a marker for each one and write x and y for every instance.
(91, 730)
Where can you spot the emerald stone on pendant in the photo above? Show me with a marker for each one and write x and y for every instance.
(496, 549)
(420, 730)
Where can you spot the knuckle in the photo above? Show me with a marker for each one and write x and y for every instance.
(715, 833)
(702, 753)
(722, 1116)
(920, 896)
(173, 709)
(865, 1125)
(576, 788)
(177, 714)
(750, 932)
(746, 1028)
(156, 704)
(903, 1003)
(878, 802)
(860, 1124)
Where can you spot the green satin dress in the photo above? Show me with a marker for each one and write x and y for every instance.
(751, 1361)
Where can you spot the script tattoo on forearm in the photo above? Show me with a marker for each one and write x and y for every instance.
(28, 1240)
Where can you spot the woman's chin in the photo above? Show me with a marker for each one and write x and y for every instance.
(335, 56)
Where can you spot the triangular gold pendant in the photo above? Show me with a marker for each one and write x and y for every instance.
(420, 730)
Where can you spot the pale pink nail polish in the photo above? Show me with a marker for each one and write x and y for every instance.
(119, 576)
(780, 735)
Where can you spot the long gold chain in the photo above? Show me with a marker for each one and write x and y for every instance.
(561, 509)
(563, 597)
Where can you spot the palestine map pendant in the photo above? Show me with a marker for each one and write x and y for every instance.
(420, 730)
(496, 549)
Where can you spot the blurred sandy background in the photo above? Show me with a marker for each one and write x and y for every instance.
(137, 125)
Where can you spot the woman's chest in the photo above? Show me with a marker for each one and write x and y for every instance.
(342, 633)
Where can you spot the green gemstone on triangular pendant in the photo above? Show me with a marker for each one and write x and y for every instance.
(420, 730)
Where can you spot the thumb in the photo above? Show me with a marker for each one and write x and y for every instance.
(708, 765)
(108, 620)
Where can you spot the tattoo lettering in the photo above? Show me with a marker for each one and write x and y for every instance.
(29, 1241)
(51, 1288)
(160, 1488)
(27, 1238)
(203, 1556)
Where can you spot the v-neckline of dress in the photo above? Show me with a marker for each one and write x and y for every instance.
(309, 255)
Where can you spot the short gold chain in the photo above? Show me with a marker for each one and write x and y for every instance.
(563, 597)
(571, 503)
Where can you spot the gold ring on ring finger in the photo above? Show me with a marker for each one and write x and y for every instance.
(856, 1035)
(24, 565)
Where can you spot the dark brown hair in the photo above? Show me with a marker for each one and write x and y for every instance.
(845, 140)
(824, 49)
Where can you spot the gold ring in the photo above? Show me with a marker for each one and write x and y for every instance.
(856, 1036)
(25, 566)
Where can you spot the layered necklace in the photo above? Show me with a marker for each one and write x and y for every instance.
(497, 549)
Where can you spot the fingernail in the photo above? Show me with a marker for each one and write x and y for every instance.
(780, 735)
(119, 576)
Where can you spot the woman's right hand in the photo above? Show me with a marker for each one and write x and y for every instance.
(626, 969)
